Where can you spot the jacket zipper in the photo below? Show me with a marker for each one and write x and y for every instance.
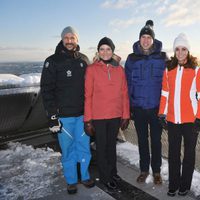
(109, 77)
(177, 96)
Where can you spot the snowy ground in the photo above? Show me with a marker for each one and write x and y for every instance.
(129, 152)
(28, 173)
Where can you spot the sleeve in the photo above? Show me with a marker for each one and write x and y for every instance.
(164, 95)
(89, 88)
(125, 98)
(198, 94)
(48, 86)
(128, 72)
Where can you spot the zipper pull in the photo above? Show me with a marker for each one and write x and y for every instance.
(108, 72)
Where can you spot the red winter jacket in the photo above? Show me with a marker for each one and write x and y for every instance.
(106, 93)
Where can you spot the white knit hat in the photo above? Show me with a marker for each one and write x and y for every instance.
(181, 40)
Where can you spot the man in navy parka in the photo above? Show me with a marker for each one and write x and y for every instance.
(144, 70)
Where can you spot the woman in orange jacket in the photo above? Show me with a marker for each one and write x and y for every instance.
(106, 108)
(181, 106)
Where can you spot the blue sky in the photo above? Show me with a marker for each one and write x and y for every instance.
(30, 29)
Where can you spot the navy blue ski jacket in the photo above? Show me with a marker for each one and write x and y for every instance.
(144, 76)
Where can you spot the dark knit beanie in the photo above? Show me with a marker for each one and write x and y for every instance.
(106, 41)
(148, 29)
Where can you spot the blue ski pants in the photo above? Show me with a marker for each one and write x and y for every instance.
(75, 148)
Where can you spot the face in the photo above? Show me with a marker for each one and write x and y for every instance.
(105, 52)
(70, 41)
(181, 54)
(146, 41)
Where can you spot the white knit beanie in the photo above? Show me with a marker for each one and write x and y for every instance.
(181, 40)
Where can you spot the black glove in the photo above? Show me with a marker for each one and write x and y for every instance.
(54, 124)
(89, 128)
(197, 125)
(163, 121)
(124, 124)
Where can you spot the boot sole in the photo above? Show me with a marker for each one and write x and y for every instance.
(72, 191)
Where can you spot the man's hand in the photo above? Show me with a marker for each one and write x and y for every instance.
(54, 124)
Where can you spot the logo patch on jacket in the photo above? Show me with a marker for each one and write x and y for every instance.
(47, 64)
(69, 73)
(81, 64)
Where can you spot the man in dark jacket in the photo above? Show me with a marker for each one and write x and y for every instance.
(144, 69)
(62, 89)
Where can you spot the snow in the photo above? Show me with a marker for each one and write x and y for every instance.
(30, 79)
(28, 173)
(129, 152)
(10, 79)
(22, 80)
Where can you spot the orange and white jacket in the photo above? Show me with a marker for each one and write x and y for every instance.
(180, 95)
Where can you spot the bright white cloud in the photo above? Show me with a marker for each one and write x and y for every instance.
(145, 6)
(150, 7)
(162, 6)
(136, 18)
(183, 13)
(173, 13)
(122, 23)
(160, 2)
(124, 49)
(117, 4)
(119, 24)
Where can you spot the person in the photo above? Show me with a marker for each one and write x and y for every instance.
(144, 69)
(62, 89)
(106, 109)
(180, 113)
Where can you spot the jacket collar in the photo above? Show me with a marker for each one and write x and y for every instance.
(113, 63)
(157, 47)
(60, 49)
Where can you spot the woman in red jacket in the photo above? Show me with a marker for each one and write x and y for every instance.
(181, 106)
(106, 108)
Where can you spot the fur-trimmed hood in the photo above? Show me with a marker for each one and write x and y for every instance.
(61, 49)
(157, 47)
(191, 63)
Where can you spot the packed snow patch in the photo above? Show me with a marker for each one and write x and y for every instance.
(129, 152)
(27, 173)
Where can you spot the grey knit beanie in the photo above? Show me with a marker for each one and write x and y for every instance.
(68, 29)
